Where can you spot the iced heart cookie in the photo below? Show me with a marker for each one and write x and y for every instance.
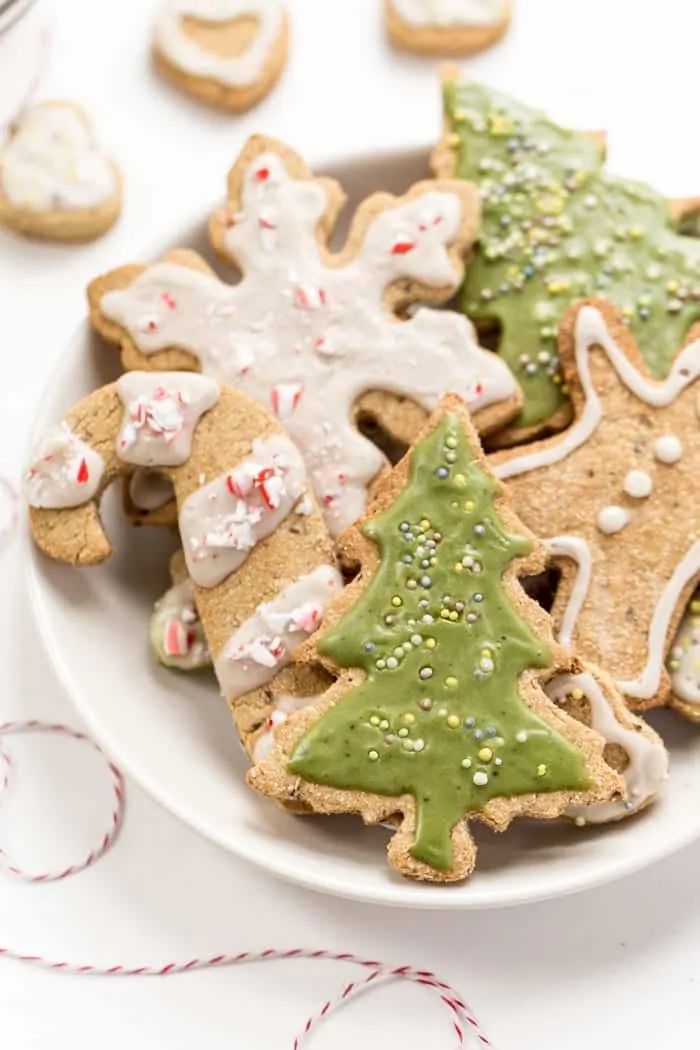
(228, 53)
(307, 332)
(446, 27)
(55, 181)
(254, 542)
(558, 228)
(616, 494)
(439, 714)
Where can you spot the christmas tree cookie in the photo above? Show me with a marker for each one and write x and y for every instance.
(557, 228)
(439, 713)
(617, 497)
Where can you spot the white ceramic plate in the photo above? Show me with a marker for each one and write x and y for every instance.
(172, 732)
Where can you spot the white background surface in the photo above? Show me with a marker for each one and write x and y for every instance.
(612, 968)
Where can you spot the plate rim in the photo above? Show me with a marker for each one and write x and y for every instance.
(423, 897)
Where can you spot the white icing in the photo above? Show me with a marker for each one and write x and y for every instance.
(668, 449)
(684, 660)
(64, 472)
(176, 631)
(429, 13)
(162, 410)
(286, 706)
(221, 522)
(612, 520)
(591, 331)
(52, 162)
(577, 549)
(188, 55)
(638, 484)
(150, 490)
(648, 761)
(263, 645)
(307, 339)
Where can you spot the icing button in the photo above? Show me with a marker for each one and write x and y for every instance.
(612, 519)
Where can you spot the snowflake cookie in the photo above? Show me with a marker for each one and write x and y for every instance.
(307, 332)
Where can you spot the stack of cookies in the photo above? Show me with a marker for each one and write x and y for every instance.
(436, 582)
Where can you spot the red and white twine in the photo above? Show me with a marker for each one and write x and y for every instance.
(462, 1018)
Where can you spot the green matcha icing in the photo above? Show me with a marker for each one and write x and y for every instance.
(439, 715)
(556, 229)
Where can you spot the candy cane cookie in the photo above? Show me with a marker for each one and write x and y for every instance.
(254, 542)
(55, 181)
(309, 333)
(227, 53)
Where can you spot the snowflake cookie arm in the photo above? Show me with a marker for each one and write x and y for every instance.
(412, 247)
(155, 309)
(277, 212)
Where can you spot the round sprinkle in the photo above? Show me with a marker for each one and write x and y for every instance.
(381, 664)
(409, 718)
(425, 581)
(403, 732)
(580, 822)
(577, 694)
(480, 778)
(541, 770)
(451, 683)
(373, 756)
(451, 442)
(430, 643)
(404, 526)
(612, 519)
(478, 597)
(667, 449)
(425, 524)
(442, 472)
(469, 722)
(396, 601)
(485, 754)
(392, 663)
(638, 484)
(466, 763)
(498, 761)
(384, 724)
(521, 736)
(460, 481)
(374, 720)
(368, 647)
(419, 744)
(490, 731)
(425, 672)
(398, 651)
(426, 704)
(478, 734)
(453, 721)
(416, 639)
(479, 530)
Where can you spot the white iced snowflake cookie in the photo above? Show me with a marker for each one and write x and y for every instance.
(228, 53)
(307, 333)
(55, 181)
(446, 27)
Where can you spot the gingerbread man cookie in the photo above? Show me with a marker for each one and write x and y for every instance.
(446, 27)
(556, 229)
(616, 494)
(228, 53)
(439, 713)
(256, 549)
(307, 333)
(55, 181)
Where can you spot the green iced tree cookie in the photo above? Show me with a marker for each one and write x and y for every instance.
(442, 714)
(557, 229)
